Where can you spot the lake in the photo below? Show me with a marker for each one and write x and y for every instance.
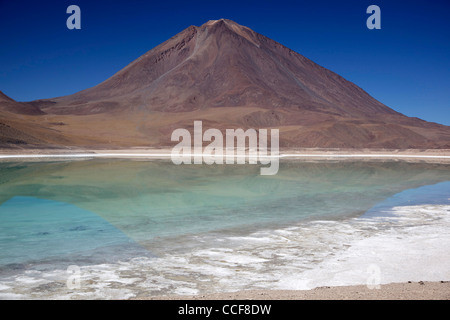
(128, 228)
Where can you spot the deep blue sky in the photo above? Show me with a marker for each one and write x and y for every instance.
(405, 65)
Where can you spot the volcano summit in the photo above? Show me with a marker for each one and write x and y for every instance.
(227, 76)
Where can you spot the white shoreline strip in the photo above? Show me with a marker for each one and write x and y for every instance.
(168, 155)
(365, 156)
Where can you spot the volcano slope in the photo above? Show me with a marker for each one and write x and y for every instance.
(228, 76)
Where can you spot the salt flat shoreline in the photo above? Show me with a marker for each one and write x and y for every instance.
(433, 155)
(438, 290)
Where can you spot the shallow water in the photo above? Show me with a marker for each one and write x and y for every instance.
(139, 228)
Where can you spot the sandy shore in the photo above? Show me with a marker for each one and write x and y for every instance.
(394, 291)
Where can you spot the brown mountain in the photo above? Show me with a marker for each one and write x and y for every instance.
(230, 77)
(21, 125)
(9, 105)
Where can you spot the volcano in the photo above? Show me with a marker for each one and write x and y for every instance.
(227, 76)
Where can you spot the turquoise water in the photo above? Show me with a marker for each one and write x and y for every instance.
(55, 214)
(34, 230)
